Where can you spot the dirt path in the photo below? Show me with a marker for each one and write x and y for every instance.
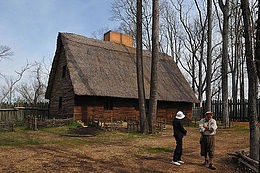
(120, 152)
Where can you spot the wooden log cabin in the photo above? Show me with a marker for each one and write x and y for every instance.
(91, 77)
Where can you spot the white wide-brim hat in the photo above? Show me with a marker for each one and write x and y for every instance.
(180, 115)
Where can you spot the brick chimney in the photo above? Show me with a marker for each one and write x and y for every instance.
(119, 38)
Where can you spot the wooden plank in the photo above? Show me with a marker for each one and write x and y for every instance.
(248, 165)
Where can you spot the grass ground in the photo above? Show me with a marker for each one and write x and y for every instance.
(58, 150)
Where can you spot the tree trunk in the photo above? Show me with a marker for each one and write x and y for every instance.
(224, 70)
(209, 57)
(193, 71)
(235, 72)
(202, 45)
(242, 76)
(235, 35)
(257, 57)
(139, 67)
(257, 48)
(155, 60)
(252, 81)
(234, 46)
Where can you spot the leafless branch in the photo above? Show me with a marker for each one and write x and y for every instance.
(5, 52)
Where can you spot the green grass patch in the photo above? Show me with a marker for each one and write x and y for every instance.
(73, 124)
(135, 135)
(18, 139)
(62, 129)
(57, 130)
(44, 136)
(159, 150)
(65, 135)
(241, 128)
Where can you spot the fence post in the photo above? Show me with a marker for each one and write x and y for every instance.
(30, 121)
(35, 123)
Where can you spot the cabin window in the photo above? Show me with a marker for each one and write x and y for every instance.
(109, 104)
(60, 102)
(64, 69)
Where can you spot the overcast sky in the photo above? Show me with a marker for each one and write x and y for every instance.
(30, 27)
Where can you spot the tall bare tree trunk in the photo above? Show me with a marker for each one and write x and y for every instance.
(257, 57)
(209, 57)
(252, 81)
(224, 70)
(154, 76)
(242, 74)
(235, 46)
(202, 23)
(257, 48)
(139, 67)
(193, 72)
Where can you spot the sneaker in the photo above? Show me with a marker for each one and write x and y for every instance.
(176, 163)
(211, 166)
(180, 161)
(205, 163)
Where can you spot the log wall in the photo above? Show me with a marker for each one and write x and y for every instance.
(88, 107)
(62, 88)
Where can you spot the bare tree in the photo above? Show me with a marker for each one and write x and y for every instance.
(139, 67)
(236, 58)
(148, 17)
(235, 35)
(225, 32)
(99, 34)
(257, 44)
(184, 38)
(33, 92)
(155, 60)
(125, 12)
(9, 89)
(209, 56)
(202, 28)
(5, 52)
(191, 42)
(195, 28)
(241, 76)
(252, 78)
(171, 32)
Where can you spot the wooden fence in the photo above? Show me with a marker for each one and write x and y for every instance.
(238, 110)
(19, 111)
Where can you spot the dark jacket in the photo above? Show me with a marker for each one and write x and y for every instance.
(178, 129)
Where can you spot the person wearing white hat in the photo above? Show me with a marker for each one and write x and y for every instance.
(178, 132)
(208, 127)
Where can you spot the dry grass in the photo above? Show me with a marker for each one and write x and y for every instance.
(48, 150)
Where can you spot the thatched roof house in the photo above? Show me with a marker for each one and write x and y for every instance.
(90, 76)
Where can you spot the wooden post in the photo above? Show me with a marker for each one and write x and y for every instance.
(30, 120)
(53, 122)
(35, 123)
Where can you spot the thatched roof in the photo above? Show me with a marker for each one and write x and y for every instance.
(102, 68)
